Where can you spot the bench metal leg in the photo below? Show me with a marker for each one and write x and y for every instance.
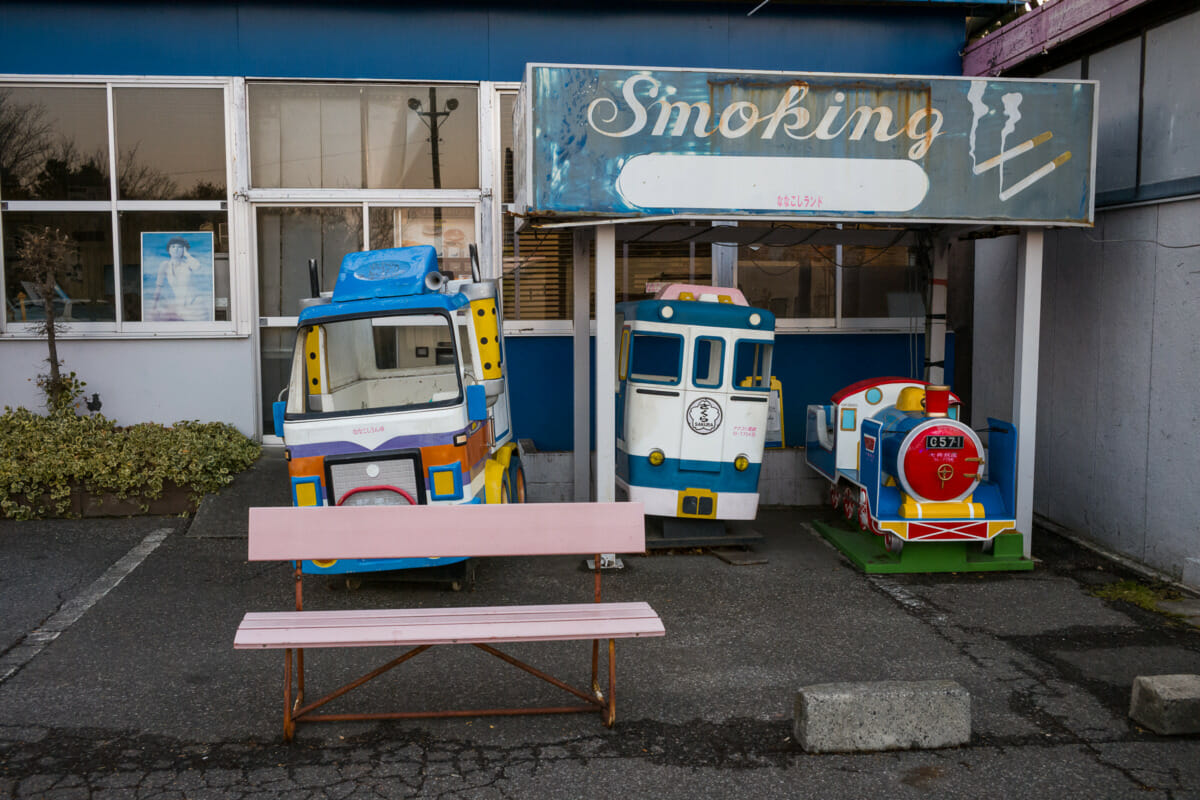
(610, 713)
(289, 725)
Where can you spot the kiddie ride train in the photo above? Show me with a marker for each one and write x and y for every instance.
(397, 396)
(903, 466)
(694, 386)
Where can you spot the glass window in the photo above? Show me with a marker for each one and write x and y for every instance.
(881, 283)
(287, 238)
(786, 277)
(450, 230)
(174, 266)
(752, 365)
(53, 143)
(170, 143)
(363, 136)
(708, 362)
(656, 358)
(84, 289)
(377, 363)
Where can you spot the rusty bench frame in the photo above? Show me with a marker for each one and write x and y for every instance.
(298, 534)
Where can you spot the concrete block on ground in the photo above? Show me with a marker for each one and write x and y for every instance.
(1166, 704)
(884, 715)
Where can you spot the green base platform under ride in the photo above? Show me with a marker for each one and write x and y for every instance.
(871, 555)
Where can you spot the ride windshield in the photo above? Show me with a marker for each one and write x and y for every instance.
(396, 362)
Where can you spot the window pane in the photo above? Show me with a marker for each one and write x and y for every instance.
(538, 273)
(709, 361)
(449, 230)
(170, 143)
(794, 281)
(288, 238)
(390, 362)
(85, 288)
(656, 358)
(644, 267)
(53, 143)
(175, 266)
(752, 365)
(363, 136)
(881, 283)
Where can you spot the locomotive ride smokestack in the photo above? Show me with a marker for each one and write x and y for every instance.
(937, 401)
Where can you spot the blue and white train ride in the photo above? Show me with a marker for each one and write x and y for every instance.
(693, 391)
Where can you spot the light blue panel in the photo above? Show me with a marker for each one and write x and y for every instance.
(1171, 102)
(1119, 70)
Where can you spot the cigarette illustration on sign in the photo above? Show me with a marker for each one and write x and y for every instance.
(1012, 114)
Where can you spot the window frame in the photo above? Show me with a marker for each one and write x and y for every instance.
(238, 323)
(666, 335)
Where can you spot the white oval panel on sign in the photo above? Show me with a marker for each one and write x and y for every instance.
(771, 183)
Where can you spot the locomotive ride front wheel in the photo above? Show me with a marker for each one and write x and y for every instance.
(893, 543)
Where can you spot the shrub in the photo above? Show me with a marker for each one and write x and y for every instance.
(42, 458)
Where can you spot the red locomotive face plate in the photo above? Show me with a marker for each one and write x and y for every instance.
(941, 463)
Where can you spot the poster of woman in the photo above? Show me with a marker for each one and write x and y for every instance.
(177, 276)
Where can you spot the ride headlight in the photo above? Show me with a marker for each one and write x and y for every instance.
(740, 463)
(666, 312)
(656, 458)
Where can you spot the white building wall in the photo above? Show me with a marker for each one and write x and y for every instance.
(1119, 399)
(140, 380)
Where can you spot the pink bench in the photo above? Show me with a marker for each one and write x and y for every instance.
(296, 534)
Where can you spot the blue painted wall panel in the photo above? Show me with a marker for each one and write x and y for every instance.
(811, 368)
(466, 41)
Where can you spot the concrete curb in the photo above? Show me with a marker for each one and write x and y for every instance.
(886, 715)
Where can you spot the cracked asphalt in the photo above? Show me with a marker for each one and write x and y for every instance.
(141, 695)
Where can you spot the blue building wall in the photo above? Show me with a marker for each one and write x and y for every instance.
(810, 366)
(468, 41)
(451, 40)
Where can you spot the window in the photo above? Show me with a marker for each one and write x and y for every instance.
(363, 136)
(708, 362)
(449, 230)
(656, 358)
(166, 181)
(378, 363)
(752, 365)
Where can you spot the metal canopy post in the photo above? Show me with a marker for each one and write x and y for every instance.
(582, 335)
(606, 364)
(935, 321)
(1025, 372)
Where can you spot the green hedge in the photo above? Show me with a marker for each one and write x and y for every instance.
(43, 458)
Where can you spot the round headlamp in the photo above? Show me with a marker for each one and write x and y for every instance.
(656, 458)
(740, 463)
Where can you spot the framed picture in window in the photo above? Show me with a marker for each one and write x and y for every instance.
(177, 276)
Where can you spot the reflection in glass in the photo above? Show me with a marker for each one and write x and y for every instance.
(795, 281)
(85, 288)
(288, 238)
(170, 143)
(363, 136)
(881, 283)
(449, 230)
(53, 143)
(196, 228)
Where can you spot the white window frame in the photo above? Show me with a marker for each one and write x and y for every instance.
(238, 323)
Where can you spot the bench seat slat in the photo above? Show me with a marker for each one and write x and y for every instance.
(432, 616)
(433, 626)
(519, 529)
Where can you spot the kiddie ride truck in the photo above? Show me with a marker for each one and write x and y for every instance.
(397, 396)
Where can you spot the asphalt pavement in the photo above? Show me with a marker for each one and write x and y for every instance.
(118, 678)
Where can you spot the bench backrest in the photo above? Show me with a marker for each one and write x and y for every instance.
(326, 532)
